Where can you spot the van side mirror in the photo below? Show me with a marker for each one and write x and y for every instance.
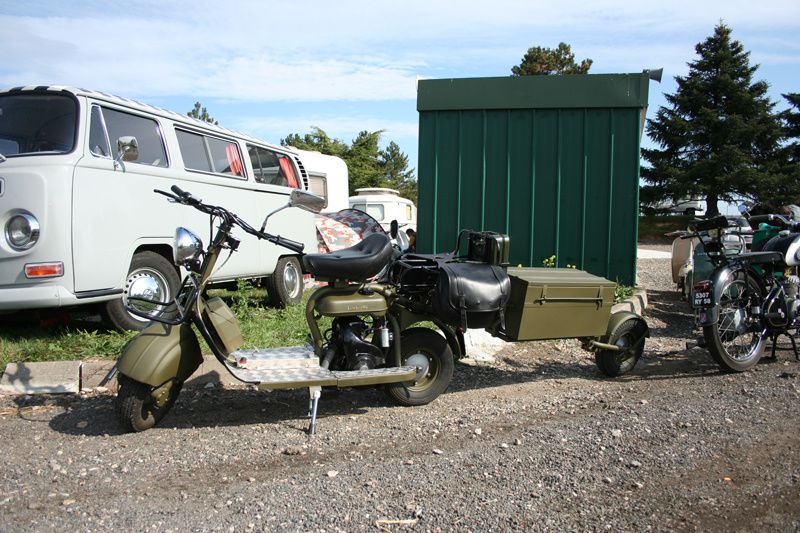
(128, 148)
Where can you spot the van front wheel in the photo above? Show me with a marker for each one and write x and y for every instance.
(150, 276)
(285, 285)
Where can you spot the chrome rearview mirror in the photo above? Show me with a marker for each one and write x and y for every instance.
(302, 199)
(306, 201)
(127, 150)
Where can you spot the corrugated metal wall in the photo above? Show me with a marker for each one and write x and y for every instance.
(560, 181)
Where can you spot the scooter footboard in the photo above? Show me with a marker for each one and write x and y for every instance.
(161, 352)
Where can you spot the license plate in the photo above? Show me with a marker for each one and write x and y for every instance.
(702, 299)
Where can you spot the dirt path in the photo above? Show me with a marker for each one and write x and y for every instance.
(537, 441)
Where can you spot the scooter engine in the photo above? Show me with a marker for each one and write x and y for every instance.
(355, 352)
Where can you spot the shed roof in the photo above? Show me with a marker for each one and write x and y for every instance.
(535, 92)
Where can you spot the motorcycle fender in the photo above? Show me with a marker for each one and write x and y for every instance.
(620, 317)
(160, 353)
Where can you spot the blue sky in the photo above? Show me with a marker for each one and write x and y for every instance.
(273, 68)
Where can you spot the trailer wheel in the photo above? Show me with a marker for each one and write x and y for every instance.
(285, 285)
(150, 276)
(629, 336)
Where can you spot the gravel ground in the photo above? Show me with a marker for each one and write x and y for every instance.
(538, 440)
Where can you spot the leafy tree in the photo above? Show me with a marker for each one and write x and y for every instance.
(367, 164)
(561, 60)
(201, 113)
(317, 141)
(718, 137)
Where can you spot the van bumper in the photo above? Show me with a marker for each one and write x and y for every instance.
(41, 295)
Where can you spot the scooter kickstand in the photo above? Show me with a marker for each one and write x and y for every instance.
(314, 393)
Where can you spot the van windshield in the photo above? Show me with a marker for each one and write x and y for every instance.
(37, 123)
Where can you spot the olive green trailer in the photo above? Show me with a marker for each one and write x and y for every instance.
(552, 161)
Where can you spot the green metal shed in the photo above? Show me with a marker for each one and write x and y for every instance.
(552, 161)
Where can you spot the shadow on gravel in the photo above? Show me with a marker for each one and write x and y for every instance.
(95, 416)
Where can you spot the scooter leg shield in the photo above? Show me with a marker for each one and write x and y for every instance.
(160, 353)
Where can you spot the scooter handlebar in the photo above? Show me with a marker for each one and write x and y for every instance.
(288, 243)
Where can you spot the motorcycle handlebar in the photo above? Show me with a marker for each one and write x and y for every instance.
(713, 223)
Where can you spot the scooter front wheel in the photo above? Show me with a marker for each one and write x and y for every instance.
(428, 351)
(137, 409)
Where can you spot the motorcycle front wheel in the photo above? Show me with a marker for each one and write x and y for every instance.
(136, 408)
(735, 341)
(428, 351)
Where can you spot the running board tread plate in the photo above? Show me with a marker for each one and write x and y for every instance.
(274, 358)
(292, 378)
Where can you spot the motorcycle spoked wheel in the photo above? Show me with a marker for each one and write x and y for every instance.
(136, 409)
(427, 349)
(735, 341)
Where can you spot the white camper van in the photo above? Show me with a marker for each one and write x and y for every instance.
(385, 205)
(81, 223)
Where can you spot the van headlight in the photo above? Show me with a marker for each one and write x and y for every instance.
(187, 246)
(22, 231)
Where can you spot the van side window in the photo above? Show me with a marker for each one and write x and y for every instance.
(98, 139)
(272, 168)
(210, 154)
(193, 151)
(146, 131)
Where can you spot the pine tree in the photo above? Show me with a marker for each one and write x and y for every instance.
(396, 174)
(201, 113)
(719, 137)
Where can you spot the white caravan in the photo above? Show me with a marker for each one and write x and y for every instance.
(327, 177)
(81, 223)
(385, 205)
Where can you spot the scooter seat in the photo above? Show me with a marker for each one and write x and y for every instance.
(760, 258)
(357, 263)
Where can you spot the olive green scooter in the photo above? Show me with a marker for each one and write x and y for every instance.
(370, 341)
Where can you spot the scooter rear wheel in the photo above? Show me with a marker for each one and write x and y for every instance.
(427, 350)
(135, 406)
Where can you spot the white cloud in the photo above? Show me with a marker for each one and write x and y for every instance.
(259, 51)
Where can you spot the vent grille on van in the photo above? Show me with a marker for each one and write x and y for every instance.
(303, 173)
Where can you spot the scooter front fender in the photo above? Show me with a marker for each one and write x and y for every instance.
(161, 353)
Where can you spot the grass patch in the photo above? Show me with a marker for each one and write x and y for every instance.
(622, 292)
(25, 338)
(652, 228)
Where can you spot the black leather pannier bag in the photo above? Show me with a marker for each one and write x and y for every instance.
(471, 295)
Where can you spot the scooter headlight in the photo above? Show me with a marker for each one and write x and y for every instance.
(22, 231)
(187, 246)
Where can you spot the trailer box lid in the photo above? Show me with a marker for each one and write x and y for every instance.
(557, 303)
